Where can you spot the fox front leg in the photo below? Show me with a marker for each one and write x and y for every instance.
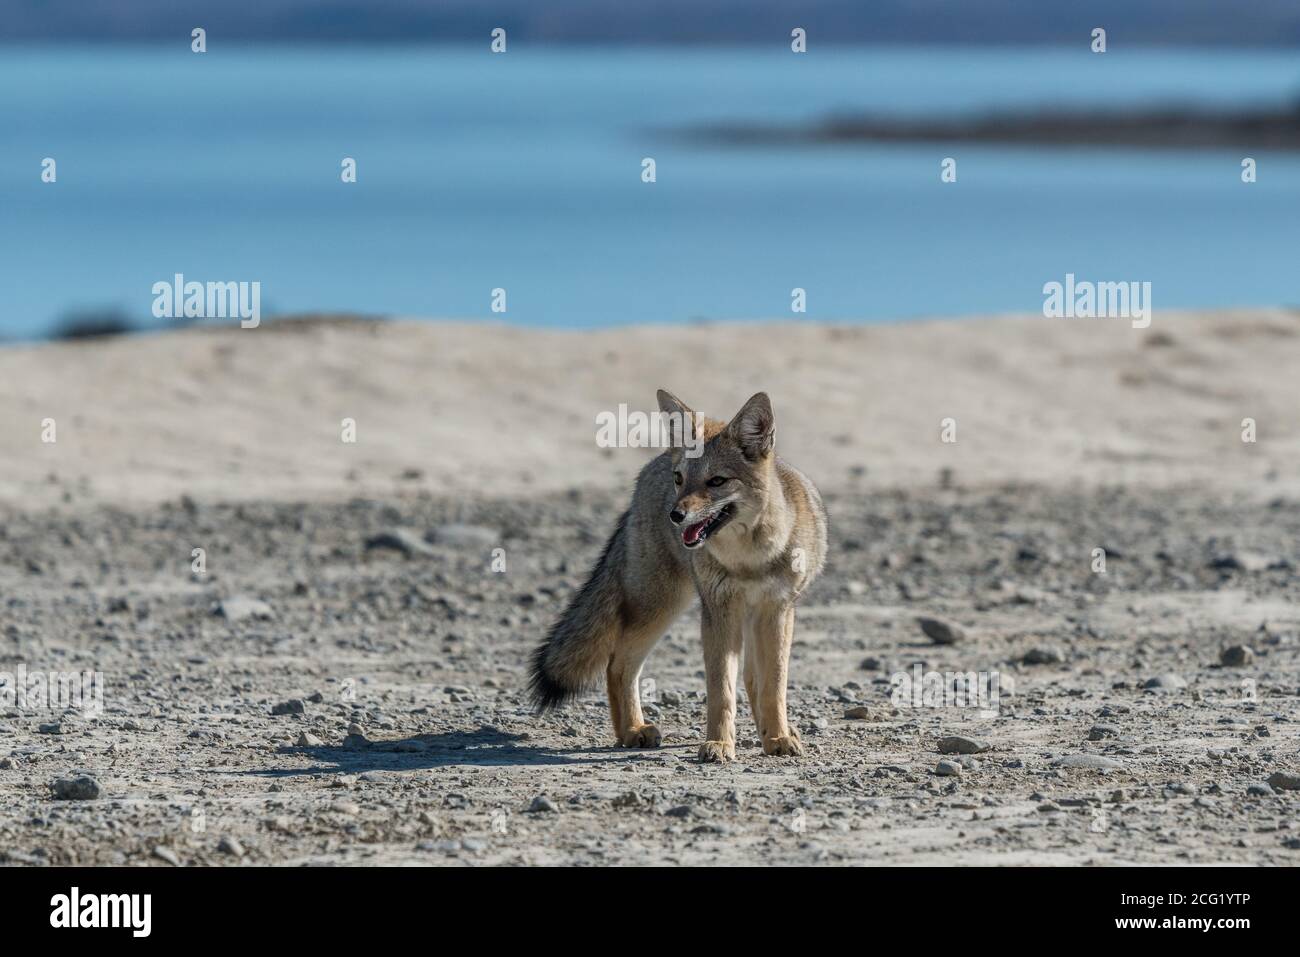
(773, 636)
(720, 631)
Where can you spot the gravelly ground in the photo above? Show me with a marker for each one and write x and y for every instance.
(425, 653)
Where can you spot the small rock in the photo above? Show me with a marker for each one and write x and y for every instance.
(1043, 656)
(355, 742)
(871, 664)
(1026, 595)
(1285, 780)
(940, 631)
(720, 830)
(1099, 731)
(231, 846)
(1165, 682)
(1259, 790)
(860, 713)
(243, 608)
(292, 706)
(542, 805)
(947, 769)
(309, 740)
(956, 744)
(399, 540)
(477, 536)
(1236, 656)
(1241, 562)
(81, 788)
(1094, 762)
(167, 854)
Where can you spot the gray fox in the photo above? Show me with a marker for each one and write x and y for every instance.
(735, 525)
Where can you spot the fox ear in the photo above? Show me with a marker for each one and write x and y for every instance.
(680, 417)
(754, 427)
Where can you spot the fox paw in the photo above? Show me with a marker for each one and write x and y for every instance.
(717, 752)
(786, 744)
(645, 736)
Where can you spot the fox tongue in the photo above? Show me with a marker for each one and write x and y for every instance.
(691, 533)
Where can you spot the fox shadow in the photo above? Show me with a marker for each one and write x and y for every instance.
(481, 747)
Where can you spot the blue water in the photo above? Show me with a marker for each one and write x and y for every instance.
(522, 171)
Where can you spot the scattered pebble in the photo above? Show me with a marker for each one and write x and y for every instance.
(460, 534)
(1285, 780)
(1165, 682)
(80, 788)
(168, 855)
(542, 805)
(956, 744)
(243, 608)
(941, 631)
(400, 540)
(1094, 762)
(1236, 656)
(1242, 562)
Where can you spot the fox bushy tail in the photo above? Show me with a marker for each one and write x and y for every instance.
(577, 648)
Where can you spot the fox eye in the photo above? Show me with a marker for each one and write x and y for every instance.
(677, 478)
(716, 481)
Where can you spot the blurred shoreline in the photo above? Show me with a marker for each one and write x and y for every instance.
(1155, 127)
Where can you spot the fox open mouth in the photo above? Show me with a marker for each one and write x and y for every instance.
(693, 536)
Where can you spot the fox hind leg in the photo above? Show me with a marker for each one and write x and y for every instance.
(622, 677)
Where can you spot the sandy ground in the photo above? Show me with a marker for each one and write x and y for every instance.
(255, 414)
(406, 738)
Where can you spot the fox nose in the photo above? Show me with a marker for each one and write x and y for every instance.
(677, 516)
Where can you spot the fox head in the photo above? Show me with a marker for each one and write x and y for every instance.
(722, 471)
